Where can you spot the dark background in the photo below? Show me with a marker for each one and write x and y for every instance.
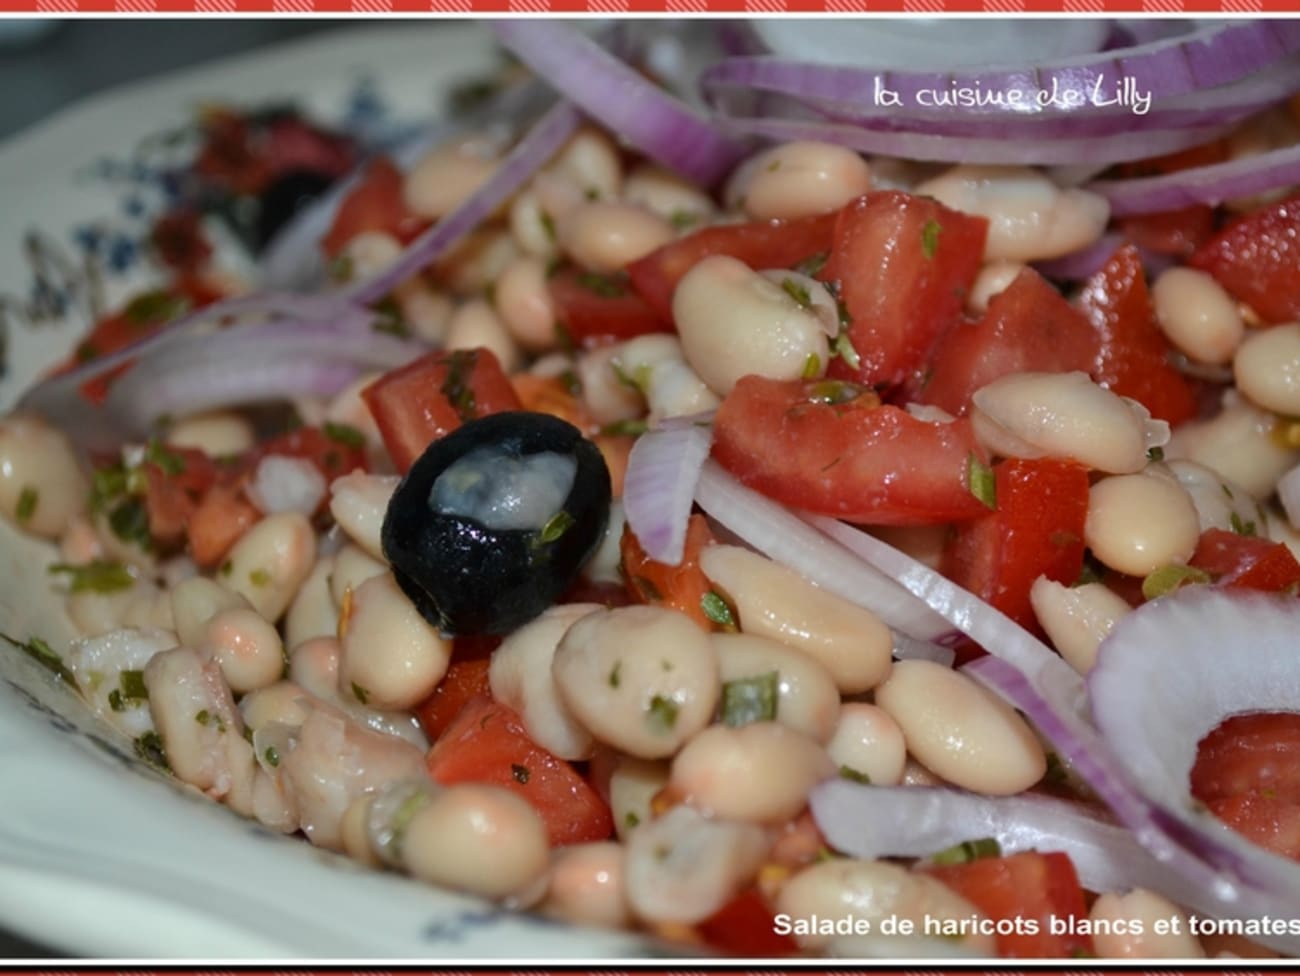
(77, 58)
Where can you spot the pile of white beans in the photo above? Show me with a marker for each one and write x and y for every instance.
(252, 673)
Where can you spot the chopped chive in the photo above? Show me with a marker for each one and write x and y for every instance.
(812, 366)
(718, 610)
(844, 348)
(968, 850)
(1241, 527)
(98, 576)
(930, 238)
(750, 699)
(28, 499)
(555, 527)
(1166, 579)
(798, 291)
(605, 286)
(982, 482)
(625, 428)
(857, 776)
(812, 266)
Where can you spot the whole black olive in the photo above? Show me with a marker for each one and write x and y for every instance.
(495, 520)
(283, 199)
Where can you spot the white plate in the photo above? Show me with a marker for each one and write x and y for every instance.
(99, 855)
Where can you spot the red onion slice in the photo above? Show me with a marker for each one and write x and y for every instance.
(659, 488)
(784, 537)
(1168, 674)
(612, 92)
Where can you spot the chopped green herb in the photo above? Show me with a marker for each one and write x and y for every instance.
(155, 307)
(982, 482)
(272, 756)
(968, 850)
(630, 819)
(753, 699)
(812, 366)
(342, 268)
(774, 165)
(99, 576)
(28, 499)
(227, 568)
(43, 654)
(930, 238)
(849, 773)
(592, 194)
(1156, 454)
(1226, 490)
(811, 266)
(798, 291)
(548, 226)
(1092, 572)
(555, 527)
(393, 325)
(718, 610)
(1241, 527)
(616, 675)
(625, 428)
(843, 347)
(683, 219)
(171, 463)
(456, 387)
(833, 392)
(359, 693)
(132, 684)
(344, 434)
(208, 720)
(401, 819)
(1056, 774)
(662, 713)
(86, 352)
(606, 286)
(633, 381)
(149, 747)
(107, 486)
(1166, 579)
(130, 522)
(571, 382)
(520, 773)
(259, 577)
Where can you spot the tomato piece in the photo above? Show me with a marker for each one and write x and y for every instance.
(1271, 823)
(681, 587)
(417, 403)
(1175, 232)
(593, 308)
(178, 240)
(1027, 887)
(547, 394)
(463, 682)
(333, 454)
(1027, 326)
(1257, 752)
(1246, 562)
(176, 478)
(217, 522)
(1133, 354)
(487, 743)
(376, 203)
(833, 448)
(761, 245)
(904, 265)
(746, 926)
(1037, 530)
(1257, 259)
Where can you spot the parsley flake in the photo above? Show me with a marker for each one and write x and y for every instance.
(662, 713)
(718, 610)
(28, 499)
(98, 576)
(855, 775)
(982, 482)
(967, 851)
(1166, 579)
(751, 699)
(930, 238)
(344, 434)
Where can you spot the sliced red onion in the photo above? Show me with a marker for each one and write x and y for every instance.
(532, 152)
(787, 539)
(1288, 493)
(659, 488)
(612, 92)
(1173, 670)
(1204, 184)
(910, 649)
(1086, 263)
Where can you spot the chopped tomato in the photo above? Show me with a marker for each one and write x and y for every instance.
(746, 926)
(463, 682)
(332, 454)
(616, 449)
(1037, 530)
(176, 478)
(417, 403)
(549, 394)
(761, 245)
(593, 308)
(1257, 259)
(1026, 887)
(833, 448)
(1133, 354)
(374, 204)
(1262, 819)
(682, 587)
(487, 743)
(1246, 561)
(179, 242)
(1174, 232)
(217, 522)
(904, 265)
(1258, 752)
(1027, 326)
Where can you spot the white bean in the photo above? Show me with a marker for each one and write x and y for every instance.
(368, 253)
(607, 398)
(247, 648)
(869, 743)
(663, 192)
(606, 237)
(1076, 618)
(533, 228)
(1197, 316)
(590, 162)
(41, 483)
(348, 408)
(587, 885)
(313, 612)
(733, 321)
(1238, 443)
(286, 484)
(853, 644)
(605, 563)
(960, 731)
(684, 866)
(633, 786)
(98, 613)
(476, 262)
(447, 176)
(358, 502)
(1137, 523)
(806, 697)
(101, 664)
(270, 562)
(654, 364)
(217, 433)
(1220, 503)
(803, 179)
(197, 600)
(354, 835)
(477, 838)
(642, 679)
(150, 608)
(520, 676)
(352, 566)
(1030, 218)
(992, 279)
(1063, 415)
(392, 657)
(79, 543)
(758, 773)
(523, 300)
(1125, 927)
(283, 702)
(1267, 368)
(476, 325)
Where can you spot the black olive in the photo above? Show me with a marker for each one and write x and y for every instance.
(466, 577)
(284, 198)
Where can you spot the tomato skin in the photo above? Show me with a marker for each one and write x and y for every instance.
(1030, 886)
(1174, 232)
(1257, 259)
(761, 245)
(746, 926)
(331, 457)
(374, 204)
(1246, 562)
(592, 309)
(426, 399)
(1027, 327)
(1037, 530)
(1264, 820)
(172, 498)
(904, 265)
(464, 681)
(1133, 354)
(859, 460)
(681, 587)
(487, 743)
(217, 522)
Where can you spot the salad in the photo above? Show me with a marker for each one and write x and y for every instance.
(856, 514)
